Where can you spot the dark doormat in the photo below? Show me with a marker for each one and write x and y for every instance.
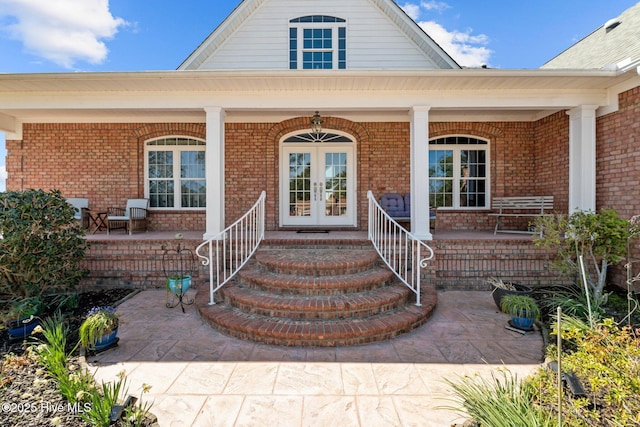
(312, 231)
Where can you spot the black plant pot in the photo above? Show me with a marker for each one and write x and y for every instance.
(499, 293)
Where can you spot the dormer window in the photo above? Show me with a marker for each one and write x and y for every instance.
(317, 42)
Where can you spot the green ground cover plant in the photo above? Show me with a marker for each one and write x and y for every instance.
(78, 386)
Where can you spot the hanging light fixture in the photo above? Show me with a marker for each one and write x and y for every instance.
(316, 123)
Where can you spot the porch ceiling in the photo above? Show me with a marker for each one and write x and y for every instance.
(469, 94)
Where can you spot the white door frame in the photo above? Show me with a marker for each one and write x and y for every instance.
(318, 215)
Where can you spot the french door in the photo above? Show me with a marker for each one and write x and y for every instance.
(317, 185)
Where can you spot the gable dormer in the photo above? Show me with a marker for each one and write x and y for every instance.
(318, 34)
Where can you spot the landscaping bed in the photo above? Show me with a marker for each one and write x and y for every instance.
(28, 394)
(74, 317)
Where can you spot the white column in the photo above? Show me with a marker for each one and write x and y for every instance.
(420, 172)
(582, 158)
(214, 160)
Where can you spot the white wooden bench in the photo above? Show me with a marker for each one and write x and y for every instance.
(523, 206)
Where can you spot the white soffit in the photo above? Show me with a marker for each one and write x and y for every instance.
(182, 95)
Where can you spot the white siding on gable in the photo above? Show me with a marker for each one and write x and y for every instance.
(374, 42)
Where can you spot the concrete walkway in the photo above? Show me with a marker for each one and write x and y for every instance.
(200, 377)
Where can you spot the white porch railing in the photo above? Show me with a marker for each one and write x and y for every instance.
(403, 252)
(233, 247)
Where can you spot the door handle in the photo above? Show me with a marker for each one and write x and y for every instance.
(315, 191)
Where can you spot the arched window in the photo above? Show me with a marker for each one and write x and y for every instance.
(458, 172)
(317, 42)
(175, 173)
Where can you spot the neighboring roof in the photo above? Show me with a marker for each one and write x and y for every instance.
(218, 44)
(617, 41)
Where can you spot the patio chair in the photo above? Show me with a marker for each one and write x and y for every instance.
(132, 217)
(82, 210)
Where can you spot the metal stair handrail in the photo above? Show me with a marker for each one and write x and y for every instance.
(400, 250)
(234, 246)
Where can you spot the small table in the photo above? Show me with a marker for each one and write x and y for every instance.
(97, 221)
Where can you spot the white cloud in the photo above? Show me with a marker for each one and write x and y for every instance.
(466, 49)
(62, 31)
(434, 5)
(3, 178)
(413, 10)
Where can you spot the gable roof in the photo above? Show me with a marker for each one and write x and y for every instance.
(421, 51)
(615, 42)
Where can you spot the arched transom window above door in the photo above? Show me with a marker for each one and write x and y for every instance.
(319, 137)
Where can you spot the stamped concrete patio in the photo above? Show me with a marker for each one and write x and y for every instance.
(200, 377)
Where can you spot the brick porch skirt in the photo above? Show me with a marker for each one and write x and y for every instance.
(461, 262)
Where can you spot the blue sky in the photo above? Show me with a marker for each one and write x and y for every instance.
(41, 36)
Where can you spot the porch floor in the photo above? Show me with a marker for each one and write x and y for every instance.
(200, 377)
(293, 235)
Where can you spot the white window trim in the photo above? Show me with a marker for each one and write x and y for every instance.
(457, 148)
(334, 26)
(176, 168)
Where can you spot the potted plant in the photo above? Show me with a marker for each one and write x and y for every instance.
(100, 329)
(523, 309)
(502, 288)
(179, 283)
(21, 318)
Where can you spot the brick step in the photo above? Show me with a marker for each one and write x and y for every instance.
(321, 295)
(253, 276)
(316, 261)
(294, 306)
(326, 333)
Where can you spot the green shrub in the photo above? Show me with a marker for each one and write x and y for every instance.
(42, 245)
(600, 238)
(606, 359)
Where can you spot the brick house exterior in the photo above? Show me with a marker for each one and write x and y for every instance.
(110, 162)
(566, 133)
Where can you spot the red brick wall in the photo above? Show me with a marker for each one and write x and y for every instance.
(108, 165)
(246, 164)
(102, 162)
(468, 264)
(513, 167)
(618, 156)
(552, 159)
(618, 168)
(137, 263)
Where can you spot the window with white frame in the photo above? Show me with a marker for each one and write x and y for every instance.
(458, 172)
(317, 42)
(175, 173)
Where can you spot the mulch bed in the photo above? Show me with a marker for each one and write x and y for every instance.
(28, 396)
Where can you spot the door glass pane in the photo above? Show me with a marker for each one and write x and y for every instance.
(335, 195)
(300, 184)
